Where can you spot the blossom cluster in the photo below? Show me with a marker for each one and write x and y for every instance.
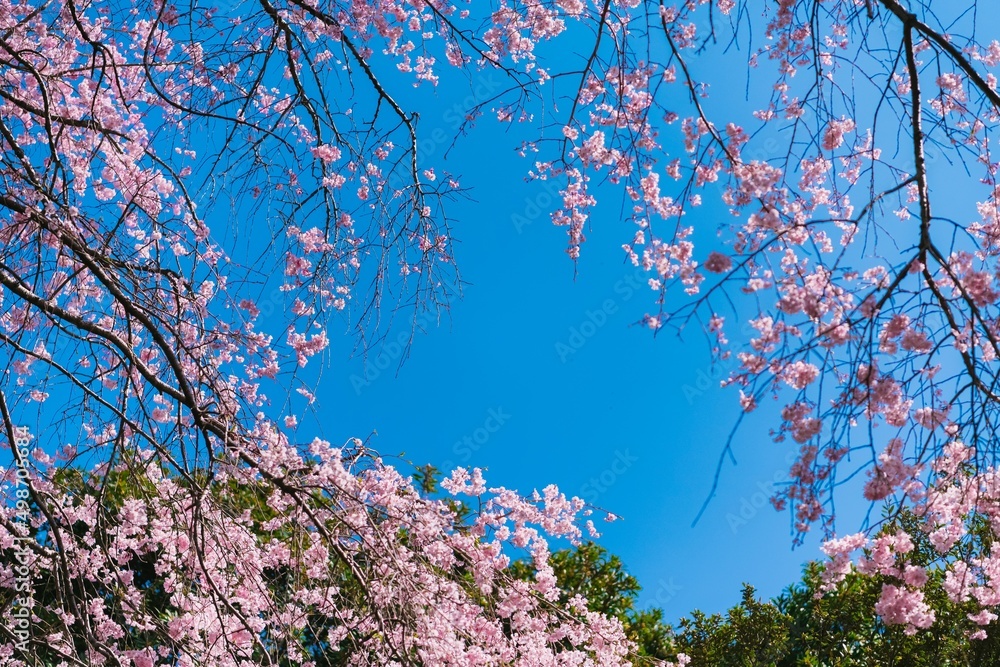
(311, 551)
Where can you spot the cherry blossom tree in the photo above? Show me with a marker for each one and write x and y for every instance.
(326, 558)
(191, 191)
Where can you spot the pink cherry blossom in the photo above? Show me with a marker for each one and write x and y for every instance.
(718, 263)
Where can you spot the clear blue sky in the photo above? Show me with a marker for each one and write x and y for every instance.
(651, 405)
(629, 422)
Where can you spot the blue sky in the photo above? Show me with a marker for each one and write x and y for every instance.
(542, 376)
(643, 417)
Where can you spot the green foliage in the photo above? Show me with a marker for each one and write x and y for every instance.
(751, 633)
